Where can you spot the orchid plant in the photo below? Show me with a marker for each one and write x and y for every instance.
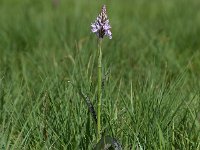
(102, 28)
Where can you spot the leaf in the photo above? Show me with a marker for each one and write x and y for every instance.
(107, 143)
(89, 104)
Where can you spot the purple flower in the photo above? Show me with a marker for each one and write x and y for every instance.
(101, 25)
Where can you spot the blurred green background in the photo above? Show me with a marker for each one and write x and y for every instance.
(145, 34)
(154, 63)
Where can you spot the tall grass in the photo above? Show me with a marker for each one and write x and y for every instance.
(151, 95)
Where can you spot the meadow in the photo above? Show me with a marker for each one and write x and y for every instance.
(151, 67)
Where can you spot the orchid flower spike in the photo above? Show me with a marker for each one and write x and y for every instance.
(101, 25)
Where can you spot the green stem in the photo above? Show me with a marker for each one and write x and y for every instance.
(99, 90)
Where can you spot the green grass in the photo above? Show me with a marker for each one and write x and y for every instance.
(151, 97)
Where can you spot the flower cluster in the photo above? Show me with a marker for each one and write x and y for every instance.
(101, 25)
